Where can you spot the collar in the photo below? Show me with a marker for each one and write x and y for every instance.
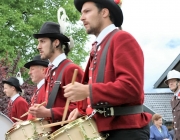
(13, 98)
(58, 60)
(177, 94)
(105, 32)
(40, 84)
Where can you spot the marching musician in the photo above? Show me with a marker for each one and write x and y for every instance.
(17, 105)
(54, 45)
(114, 93)
(37, 70)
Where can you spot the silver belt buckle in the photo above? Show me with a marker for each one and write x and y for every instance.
(57, 82)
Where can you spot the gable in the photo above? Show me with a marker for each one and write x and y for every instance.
(174, 65)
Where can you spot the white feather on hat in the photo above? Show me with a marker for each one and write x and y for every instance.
(18, 76)
(62, 17)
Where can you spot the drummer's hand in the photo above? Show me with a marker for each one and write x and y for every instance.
(74, 115)
(39, 112)
(16, 123)
(76, 92)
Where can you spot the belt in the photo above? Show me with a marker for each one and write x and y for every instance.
(120, 111)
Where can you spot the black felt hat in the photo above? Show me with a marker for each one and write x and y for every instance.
(109, 4)
(37, 61)
(13, 82)
(51, 30)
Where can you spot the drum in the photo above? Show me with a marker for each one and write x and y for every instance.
(5, 125)
(80, 129)
(29, 130)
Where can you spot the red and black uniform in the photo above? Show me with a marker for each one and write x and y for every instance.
(59, 104)
(38, 97)
(17, 107)
(123, 83)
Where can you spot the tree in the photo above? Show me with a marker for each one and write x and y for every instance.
(20, 19)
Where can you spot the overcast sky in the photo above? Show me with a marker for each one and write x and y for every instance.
(156, 26)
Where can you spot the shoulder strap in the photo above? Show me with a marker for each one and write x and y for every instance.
(55, 89)
(100, 75)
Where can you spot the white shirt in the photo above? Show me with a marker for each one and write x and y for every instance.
(176, 94)
(160, 130)
(13, 98)
(58, 60)
(40, 84)
(105, 32)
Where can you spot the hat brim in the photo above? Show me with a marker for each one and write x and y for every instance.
(111, 5)
(166, 81)
(9, 83)
(36, 62)
(52, 35)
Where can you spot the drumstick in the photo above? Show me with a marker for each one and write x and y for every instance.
(17, 119)
(55, 124)
(67, 101)
(37, 107)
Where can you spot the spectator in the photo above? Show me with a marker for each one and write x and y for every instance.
(157, 130)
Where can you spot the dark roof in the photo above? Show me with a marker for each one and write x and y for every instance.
(174, 65)
(159, 103)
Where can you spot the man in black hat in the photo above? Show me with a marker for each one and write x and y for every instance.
(37, 70)
(17, 105)
(114, 73)
(53, 45)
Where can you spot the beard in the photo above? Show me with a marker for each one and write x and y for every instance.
(94, 30)
(49, 54)
(90, 31)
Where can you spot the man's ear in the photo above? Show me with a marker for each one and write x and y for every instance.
(14, 88)
(56, 42)
(178, 82)
(105, 12)
(44, 70)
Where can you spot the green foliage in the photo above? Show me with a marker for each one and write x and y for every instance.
(20, 19)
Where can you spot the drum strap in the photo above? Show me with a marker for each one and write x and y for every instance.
(55, 89)
(113, 111)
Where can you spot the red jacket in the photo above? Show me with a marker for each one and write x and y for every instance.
(123, 83)
(39, 99)
(58, 108)
(19, 107)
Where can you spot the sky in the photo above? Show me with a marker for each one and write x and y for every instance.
(155, 24)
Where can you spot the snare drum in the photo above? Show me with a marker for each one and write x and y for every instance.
(80, 129)
(29, 130)
(5, 125)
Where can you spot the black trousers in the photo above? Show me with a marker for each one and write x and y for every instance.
(128, 134)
